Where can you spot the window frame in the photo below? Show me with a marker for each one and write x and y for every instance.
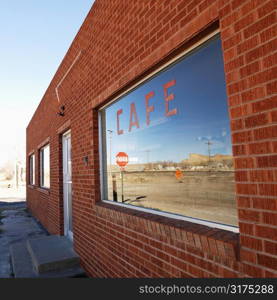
(32, 169)
(41, 158)
(102, 144)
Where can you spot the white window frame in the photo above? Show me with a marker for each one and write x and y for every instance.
(41, 159)
(102, 148)
(32, 169)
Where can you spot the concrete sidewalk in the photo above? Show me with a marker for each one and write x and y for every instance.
(16, 225)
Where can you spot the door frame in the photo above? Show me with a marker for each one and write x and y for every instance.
(67, 232)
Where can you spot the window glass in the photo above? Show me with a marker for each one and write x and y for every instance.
(32, 169)
(45, 167)
(167, 144)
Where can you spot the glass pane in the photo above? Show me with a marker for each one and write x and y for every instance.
(46, 167)
(69, 158)
(41, 168)
(69, 195)
(32, 170)
(168, 144)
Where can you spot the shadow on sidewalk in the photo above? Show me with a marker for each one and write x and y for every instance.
(16, 225)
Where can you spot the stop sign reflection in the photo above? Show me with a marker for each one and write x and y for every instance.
(122, 159)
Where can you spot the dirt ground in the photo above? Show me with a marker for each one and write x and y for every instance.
(12, 194)
(204, 195)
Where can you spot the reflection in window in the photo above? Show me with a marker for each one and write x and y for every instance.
(32, 169)
(45, 167)
(167, 143)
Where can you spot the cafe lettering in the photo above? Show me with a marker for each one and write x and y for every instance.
(134, 118)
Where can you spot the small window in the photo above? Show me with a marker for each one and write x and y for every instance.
(32, 169)
(166, 145)
(45, 167)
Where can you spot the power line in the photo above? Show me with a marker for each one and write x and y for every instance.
(209, 143)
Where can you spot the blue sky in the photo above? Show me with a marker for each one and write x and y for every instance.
(201, 112)
(34, 37)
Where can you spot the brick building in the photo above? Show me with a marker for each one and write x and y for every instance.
(154, 146)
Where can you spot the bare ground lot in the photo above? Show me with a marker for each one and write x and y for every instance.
(12, 194)
(204, 195)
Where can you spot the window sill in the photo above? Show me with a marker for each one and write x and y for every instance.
(215, 241)
(30, 186)
(44, 190)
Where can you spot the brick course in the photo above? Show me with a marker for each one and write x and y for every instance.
(121, 42)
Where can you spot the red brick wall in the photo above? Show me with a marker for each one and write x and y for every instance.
(121, 41)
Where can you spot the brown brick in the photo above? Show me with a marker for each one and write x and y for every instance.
(261, 175)
(257, 120)
(269, 274)
(249, 215)
(244, 163)
(250, 5)
(241, 137)
(269, 33)
(262, 77)
(244, 22)
(260, 25)
(267, 161)
(241, 176)
(269, 218)
(248, 256)
(265, 133)
(265, 203)
(248, 44)
(239, 150)
(253, 94)
(267, 104)
(268, 189)
(267, 261)
(270, 247)
(250, 69)
(271, 88)
(266, 232)
(237, 87)
(261, 51)
(274, 116)
(229, 54)
(243, 201)
(269, 7)
(246, 228)
(237, 3)
(252, 271)
(259, 148)
(234, 64)
(247, 189)
(234, 40)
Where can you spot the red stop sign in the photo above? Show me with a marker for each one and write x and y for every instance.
(122, 159)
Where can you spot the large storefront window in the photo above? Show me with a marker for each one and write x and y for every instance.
(167, 143)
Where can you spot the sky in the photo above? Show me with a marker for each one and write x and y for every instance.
(172, 133)
(34, 37)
